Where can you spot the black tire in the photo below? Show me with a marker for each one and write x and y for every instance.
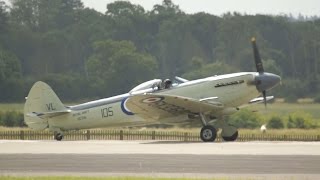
(208, 133)
(58, 136)
(231, 138)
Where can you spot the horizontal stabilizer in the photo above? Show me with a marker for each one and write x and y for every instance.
(48, 114)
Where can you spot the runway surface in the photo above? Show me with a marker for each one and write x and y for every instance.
(250, 159)
(159, 147)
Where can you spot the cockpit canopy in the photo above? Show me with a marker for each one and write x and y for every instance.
(149, 85)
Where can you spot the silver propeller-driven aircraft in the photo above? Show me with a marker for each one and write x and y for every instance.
(208, 99)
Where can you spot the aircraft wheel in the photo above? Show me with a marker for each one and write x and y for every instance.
(231, 138)
(208, 133)
(58, 136)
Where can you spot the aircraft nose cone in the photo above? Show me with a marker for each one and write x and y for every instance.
(266, 81)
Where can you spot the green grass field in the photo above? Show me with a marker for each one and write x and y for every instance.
(11, 107)
(284, 109)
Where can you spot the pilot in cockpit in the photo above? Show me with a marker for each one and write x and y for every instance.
(162, 84)
(167, 83)
(152, 85)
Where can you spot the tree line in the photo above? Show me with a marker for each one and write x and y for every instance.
(83, 53)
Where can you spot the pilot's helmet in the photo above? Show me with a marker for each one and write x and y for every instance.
(167, 83)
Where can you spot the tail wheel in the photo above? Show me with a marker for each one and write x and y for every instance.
(231, 138)
(208, 133)
(58, 136)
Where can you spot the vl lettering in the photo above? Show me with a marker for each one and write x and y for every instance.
(50, 107)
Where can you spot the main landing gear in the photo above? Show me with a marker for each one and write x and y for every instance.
(208, 133)
(233, 137)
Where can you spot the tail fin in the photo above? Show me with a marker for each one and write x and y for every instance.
(42, 103)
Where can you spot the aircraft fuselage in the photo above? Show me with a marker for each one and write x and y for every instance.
(232, 90)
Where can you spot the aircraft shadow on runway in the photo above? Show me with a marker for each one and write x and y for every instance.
(172, 142)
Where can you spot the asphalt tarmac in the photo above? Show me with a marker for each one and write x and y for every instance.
(284, 160)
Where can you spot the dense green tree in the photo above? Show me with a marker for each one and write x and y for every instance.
(129, 22)
(123, 8)
(69, 87)
(211, 69)
(10, 77)
(245, 119)
(301, 120)
(117, 66)
(275, 123)
(61, 41)
(10, 66)
(166, 8)
(3, 17)
(43, 15)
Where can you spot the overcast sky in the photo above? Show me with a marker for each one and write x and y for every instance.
(218, 7)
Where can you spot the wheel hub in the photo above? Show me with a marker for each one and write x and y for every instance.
(207, 134)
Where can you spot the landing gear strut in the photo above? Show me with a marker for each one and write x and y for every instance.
(208, 133)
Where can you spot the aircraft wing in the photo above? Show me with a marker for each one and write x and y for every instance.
(164, 106)
(48, 114)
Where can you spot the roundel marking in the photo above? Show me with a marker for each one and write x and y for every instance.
(124, 107)
(152, 100)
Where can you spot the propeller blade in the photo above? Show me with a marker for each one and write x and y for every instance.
(264, 93)
(257, 58)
